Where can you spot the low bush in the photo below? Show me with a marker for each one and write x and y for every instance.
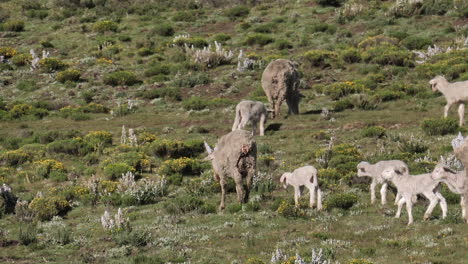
(282, 44)
(323, 27)
(321, 58)
(44, 208)
(236, 12)
(14, 158)
(75, 146)
(136, 238)
(105, 25)
(21, 59)
(335, 3)
(145, 52)
(221, 37)
(191, 80)
(98, 139)
(46, 168)
(68, 75)
(183, 166)
(114, 171)
(350, 55)
(388, 95)
(375, 41)
(342, 104)
(288, 210)
(7, 52)
(388, 55)
(164, 92)
(183, 204)
(50, 65)
(412, 144)
(373, 131)
(258, 39)
(158, 69)
(163, 29)
(341, 89)
(13, 25)
(197, 42)
(186, 16)
(165, 148)
(195, 103)
(416, 42)
(341, 201)
(28, 234)
(121, 78)
(439, 126)
(365, 101)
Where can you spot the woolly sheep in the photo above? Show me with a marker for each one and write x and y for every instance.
(460, 149)
(303, 176)
(234, 156)
(455, 181)
(253, 112)
(375, 172)
(455, 93)
(411, 185)
(280, 81)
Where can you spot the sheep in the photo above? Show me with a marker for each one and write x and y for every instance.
(455, 181)
(375, 172)
(280, 81)
(234, 156)
(456, 92)
(303, 176)
(460, 149)
(409, 186)
(252, 111)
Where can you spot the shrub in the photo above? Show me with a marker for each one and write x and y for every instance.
(14, 158)
(13, 25)
(164, 148)
(44, 168)
(237, 11)
(186, 16)
(377, 41)
(44, 208)
(386, 95)
(351, 55)
(364, 101)
(416, 42)
(105, 25)
(323, 27)
(183, 166)
(114, 171)
(341, 200)
(164, 92)
(439, 126)
(320, 58)
(342, 104)
(136, 238)
(158, 69)
(68, 75)
(191, 80)
(258, 39)
(330, 2)
(412, 144)
(183, 204)
(221, 37)
(94, 108)
(265, 28)
(145, 52)
(389, 55)
(21, 59)
(195, 103)
(451, 64)
(121, 78)
(197, 42)
(282, 44)
(341, 89)
(50, 65)
(75, 146)
(27, 234)
(98, 139)
(288, 210)
(164, 30)
(373, 131)
(7, 52)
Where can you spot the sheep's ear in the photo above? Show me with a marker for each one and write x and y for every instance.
(447, 169)
(400, 170)
(208, 148)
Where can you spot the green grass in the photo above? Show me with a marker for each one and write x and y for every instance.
(166, 83)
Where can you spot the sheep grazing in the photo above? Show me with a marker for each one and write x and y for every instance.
(409, 186)
(455, 93)
(234, 156)
(375, 172)
(280, 81)
(303, 176)
(455, 181)
(253, 112)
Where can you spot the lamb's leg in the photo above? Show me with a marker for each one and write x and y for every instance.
(433, 202)
(254, 127)
(222, 182)
(409, 209)
(462, 202)
(400, 205)
(461, 113)
(446, 109)
(262, 125)
(319, 199)
(237, 121)
(442, 203)
(297, 194)
(311, 188)
(372, 191)
(383, 193)
(397, 197)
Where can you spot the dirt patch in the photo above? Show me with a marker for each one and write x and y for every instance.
(224, 27)
(354, 125)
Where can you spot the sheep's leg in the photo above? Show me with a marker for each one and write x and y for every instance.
(433, 202)
(442, 203)
(461, 113)
(243, 123)
(400, 205)
(248, 185)
(319, 199)
(297, 194)
(239, 188)
(222, 182)
(277, 107)
(397, 197)
(446, 109)
(409, 209)
(237, 121)
(383, 193)
(311, 188)
(262, 125)
(372, 191)
(254, 127)
(462, 203)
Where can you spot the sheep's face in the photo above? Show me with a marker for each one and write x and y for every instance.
(434, 82)
(441, 171)
(284, 179)
(363, 169)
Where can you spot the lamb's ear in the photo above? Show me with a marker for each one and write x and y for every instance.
(208, 148)
(400, 170)
(447, 169)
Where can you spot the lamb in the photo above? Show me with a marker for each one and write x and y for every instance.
(303, 176)
(409, 186)
(455, 181)
(234, 156)
(460, 149)
(280, 81)
(252, 111)
(455, 93)
(375, 172)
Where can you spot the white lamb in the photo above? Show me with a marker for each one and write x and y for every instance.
(303, 176)
(455, 181)
(455, 93)
(253, 112)
(411, 185)
(375, 172)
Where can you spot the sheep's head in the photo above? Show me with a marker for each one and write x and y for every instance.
(363, 169)
(392, 171)
(436, 81)
(441, 171)
(283, 179)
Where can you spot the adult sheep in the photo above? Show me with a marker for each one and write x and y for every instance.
(454, 93)
(253, 112)
(280, 81)
(234, 156)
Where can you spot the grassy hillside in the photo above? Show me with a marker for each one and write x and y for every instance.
(115, 63)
